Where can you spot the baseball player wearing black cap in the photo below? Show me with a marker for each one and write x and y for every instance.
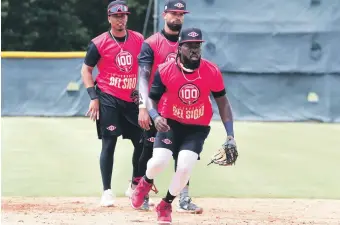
(179, 105)
(114, 52)
(157, 49)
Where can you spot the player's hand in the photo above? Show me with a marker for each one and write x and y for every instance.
(144, 120)
(227, 154)
(93, 111)
(161, 124)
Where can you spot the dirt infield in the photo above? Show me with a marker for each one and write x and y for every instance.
(84, 211)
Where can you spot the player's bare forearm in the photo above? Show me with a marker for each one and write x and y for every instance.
(224, 108)
(144, 72)
(226, 114)
(86, 74)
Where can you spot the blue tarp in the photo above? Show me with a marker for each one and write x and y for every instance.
(284, 97)
(36, 87)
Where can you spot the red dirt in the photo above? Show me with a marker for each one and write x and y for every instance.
(85, 211)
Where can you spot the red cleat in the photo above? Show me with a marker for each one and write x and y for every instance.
(137, 198)
(164, 211)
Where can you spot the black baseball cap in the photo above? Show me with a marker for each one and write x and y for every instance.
(190, 35)
(175, 6)
(117, 7)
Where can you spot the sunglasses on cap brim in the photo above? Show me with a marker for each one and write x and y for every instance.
(118, 9)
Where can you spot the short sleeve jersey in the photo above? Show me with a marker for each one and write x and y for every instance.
(186, 96)
(118, 64)
(161, 50)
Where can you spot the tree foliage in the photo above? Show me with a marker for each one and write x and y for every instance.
(54, 25)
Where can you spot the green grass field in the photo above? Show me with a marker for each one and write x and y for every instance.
(60, 157)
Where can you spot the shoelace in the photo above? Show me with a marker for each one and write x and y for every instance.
(154, 188)
(145, 191)
(189, 204)
(185, 199)
(188, 200)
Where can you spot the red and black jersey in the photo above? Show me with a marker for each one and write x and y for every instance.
(117, 63)
(157, 49)
(185, 97)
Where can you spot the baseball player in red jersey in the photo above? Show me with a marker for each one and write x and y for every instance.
(115, 54)
(157, 49)
(180, 106)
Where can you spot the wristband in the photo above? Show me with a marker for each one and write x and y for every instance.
(153, 114)
(92, 93)
(229, 128)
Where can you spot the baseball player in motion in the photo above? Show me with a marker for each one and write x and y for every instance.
(180, 107)
(157, 49)
(112, 107)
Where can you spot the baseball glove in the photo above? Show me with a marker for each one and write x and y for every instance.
(135, 96)
(227, 155)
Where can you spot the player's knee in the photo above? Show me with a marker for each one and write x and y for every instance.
(148, 145)
(160, 158)
(109, 144)
(186, 162)
(146, 154)
(158, 162)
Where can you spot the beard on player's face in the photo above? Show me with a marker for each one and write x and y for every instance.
(174, 20)
(174, 26)
(190, 55)
(189, 63)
